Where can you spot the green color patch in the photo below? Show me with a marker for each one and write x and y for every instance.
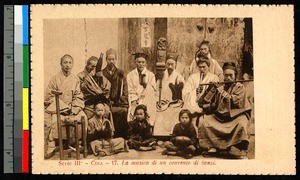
(25, 66)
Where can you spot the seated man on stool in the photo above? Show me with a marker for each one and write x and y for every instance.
(71, 101)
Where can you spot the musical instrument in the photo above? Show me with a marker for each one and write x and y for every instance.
(208, 98)
(98, 75)
(226, 82)
(99, 63)
(181, 141)
(160, 68)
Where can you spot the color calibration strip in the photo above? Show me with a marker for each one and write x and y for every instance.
(25, 95)
(21, 124)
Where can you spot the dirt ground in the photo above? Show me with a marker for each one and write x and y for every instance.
(155, 154)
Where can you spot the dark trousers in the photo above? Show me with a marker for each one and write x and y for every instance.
(120, 121)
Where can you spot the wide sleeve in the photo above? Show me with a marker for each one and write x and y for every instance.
(219, 71)
(193, 134)
(236, 97)
(180, 79)
(78, 96)
(189, 88)
(49, 97)
(132, 132)
(176, 130)
(105, 85)
(132, 94)
(193, 67)
(148, 129)
(124, 86)
(153, 81)
(189, 96)
(90, 86)
(109, 116)
(91, 127)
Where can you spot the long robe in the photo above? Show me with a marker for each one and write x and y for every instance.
(71, 98)
(189, 90)
(166, 120)
(119, 97)
(137, 92)
(93, 91)
(228, 125)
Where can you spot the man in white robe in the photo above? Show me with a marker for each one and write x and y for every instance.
(214, 68)
(171, 98)
(192, 91)
(71, 101)
(141, 87)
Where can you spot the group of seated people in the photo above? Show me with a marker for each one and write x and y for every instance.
(201, 114)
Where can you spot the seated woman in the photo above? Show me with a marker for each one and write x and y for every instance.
(184, 142)
(140, 133)
(100, 133)
(224, 127)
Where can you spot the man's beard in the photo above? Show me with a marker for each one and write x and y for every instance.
(111, 66)
(170, 71)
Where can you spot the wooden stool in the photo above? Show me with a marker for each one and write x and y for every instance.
(67, 125)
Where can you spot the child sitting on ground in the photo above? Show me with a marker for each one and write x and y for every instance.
(100, 133)
(140, 136)
(185, 137)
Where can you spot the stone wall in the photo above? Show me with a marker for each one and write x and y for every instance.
(226, 36)
(184, 35)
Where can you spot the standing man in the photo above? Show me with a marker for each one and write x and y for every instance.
(214, 68)
(142, 87)
(94, 86)
(171, 98)
(193, 89)
(71, 101)
(118, 93)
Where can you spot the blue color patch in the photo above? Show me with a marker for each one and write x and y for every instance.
(25, 24)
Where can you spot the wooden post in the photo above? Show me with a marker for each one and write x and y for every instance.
(76, 139)
(68, 138)
(57, 94)
(84, 134)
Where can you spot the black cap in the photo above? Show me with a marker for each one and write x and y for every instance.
(172, 56)
(140, 54)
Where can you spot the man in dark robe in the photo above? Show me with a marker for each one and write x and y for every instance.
(94, 86)
(118, 93)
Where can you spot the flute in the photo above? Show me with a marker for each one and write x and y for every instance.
(226, 82)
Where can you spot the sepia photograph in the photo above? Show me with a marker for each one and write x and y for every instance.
(142, 88)
(157, 92)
